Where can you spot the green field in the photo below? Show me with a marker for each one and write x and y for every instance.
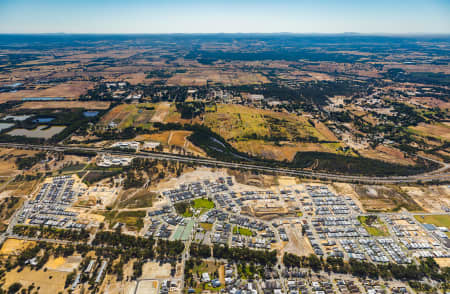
(203, 203)
(437, 220)
(373, 225)
(242, 231)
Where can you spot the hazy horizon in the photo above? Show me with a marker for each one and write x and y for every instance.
(229, 17)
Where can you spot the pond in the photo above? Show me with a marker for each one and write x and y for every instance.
(43, 119)
(4, 126)
(43, 99)
(90, 113)
(16, 117)
(39, 132)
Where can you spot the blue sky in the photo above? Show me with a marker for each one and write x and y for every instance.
(231, 16)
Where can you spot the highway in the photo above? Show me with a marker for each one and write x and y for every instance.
(441, 174)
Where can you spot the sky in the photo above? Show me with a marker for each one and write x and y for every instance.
(224, 16)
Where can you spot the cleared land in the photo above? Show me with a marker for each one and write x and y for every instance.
(69, 90)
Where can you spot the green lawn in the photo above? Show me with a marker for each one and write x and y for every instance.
(373, 225)
(242, 231)
(203, 203)
(437, 220)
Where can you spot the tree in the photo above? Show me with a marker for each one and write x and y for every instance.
(14, 288)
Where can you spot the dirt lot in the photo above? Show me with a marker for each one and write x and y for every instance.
(297, 244)
(62, 264)
(153, 270)
(148, 287)
(65, 105)
(69, 90)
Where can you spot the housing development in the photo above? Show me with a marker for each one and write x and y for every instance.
(245, 163)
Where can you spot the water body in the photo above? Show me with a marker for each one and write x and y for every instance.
(16, 117)
(43, 119)
(90, 113)
(39, 132)
(43, 99)
(4, 126)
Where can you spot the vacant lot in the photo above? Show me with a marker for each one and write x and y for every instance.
(100, 105)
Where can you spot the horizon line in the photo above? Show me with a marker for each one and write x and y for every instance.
(242, 33)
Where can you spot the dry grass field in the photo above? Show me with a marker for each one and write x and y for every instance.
(69, 90)
(127, 115)
(438, 130)
(385, 198)
(94, 105)
(201, 77)
(431, 198)
(238, 122)
(284, 150)
(256, 131)
(15, 246)
(47, 282)
(173, 138)
(8, 160)
(161, 111)
(386, 153)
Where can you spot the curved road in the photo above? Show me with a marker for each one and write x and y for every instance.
(441, 174)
